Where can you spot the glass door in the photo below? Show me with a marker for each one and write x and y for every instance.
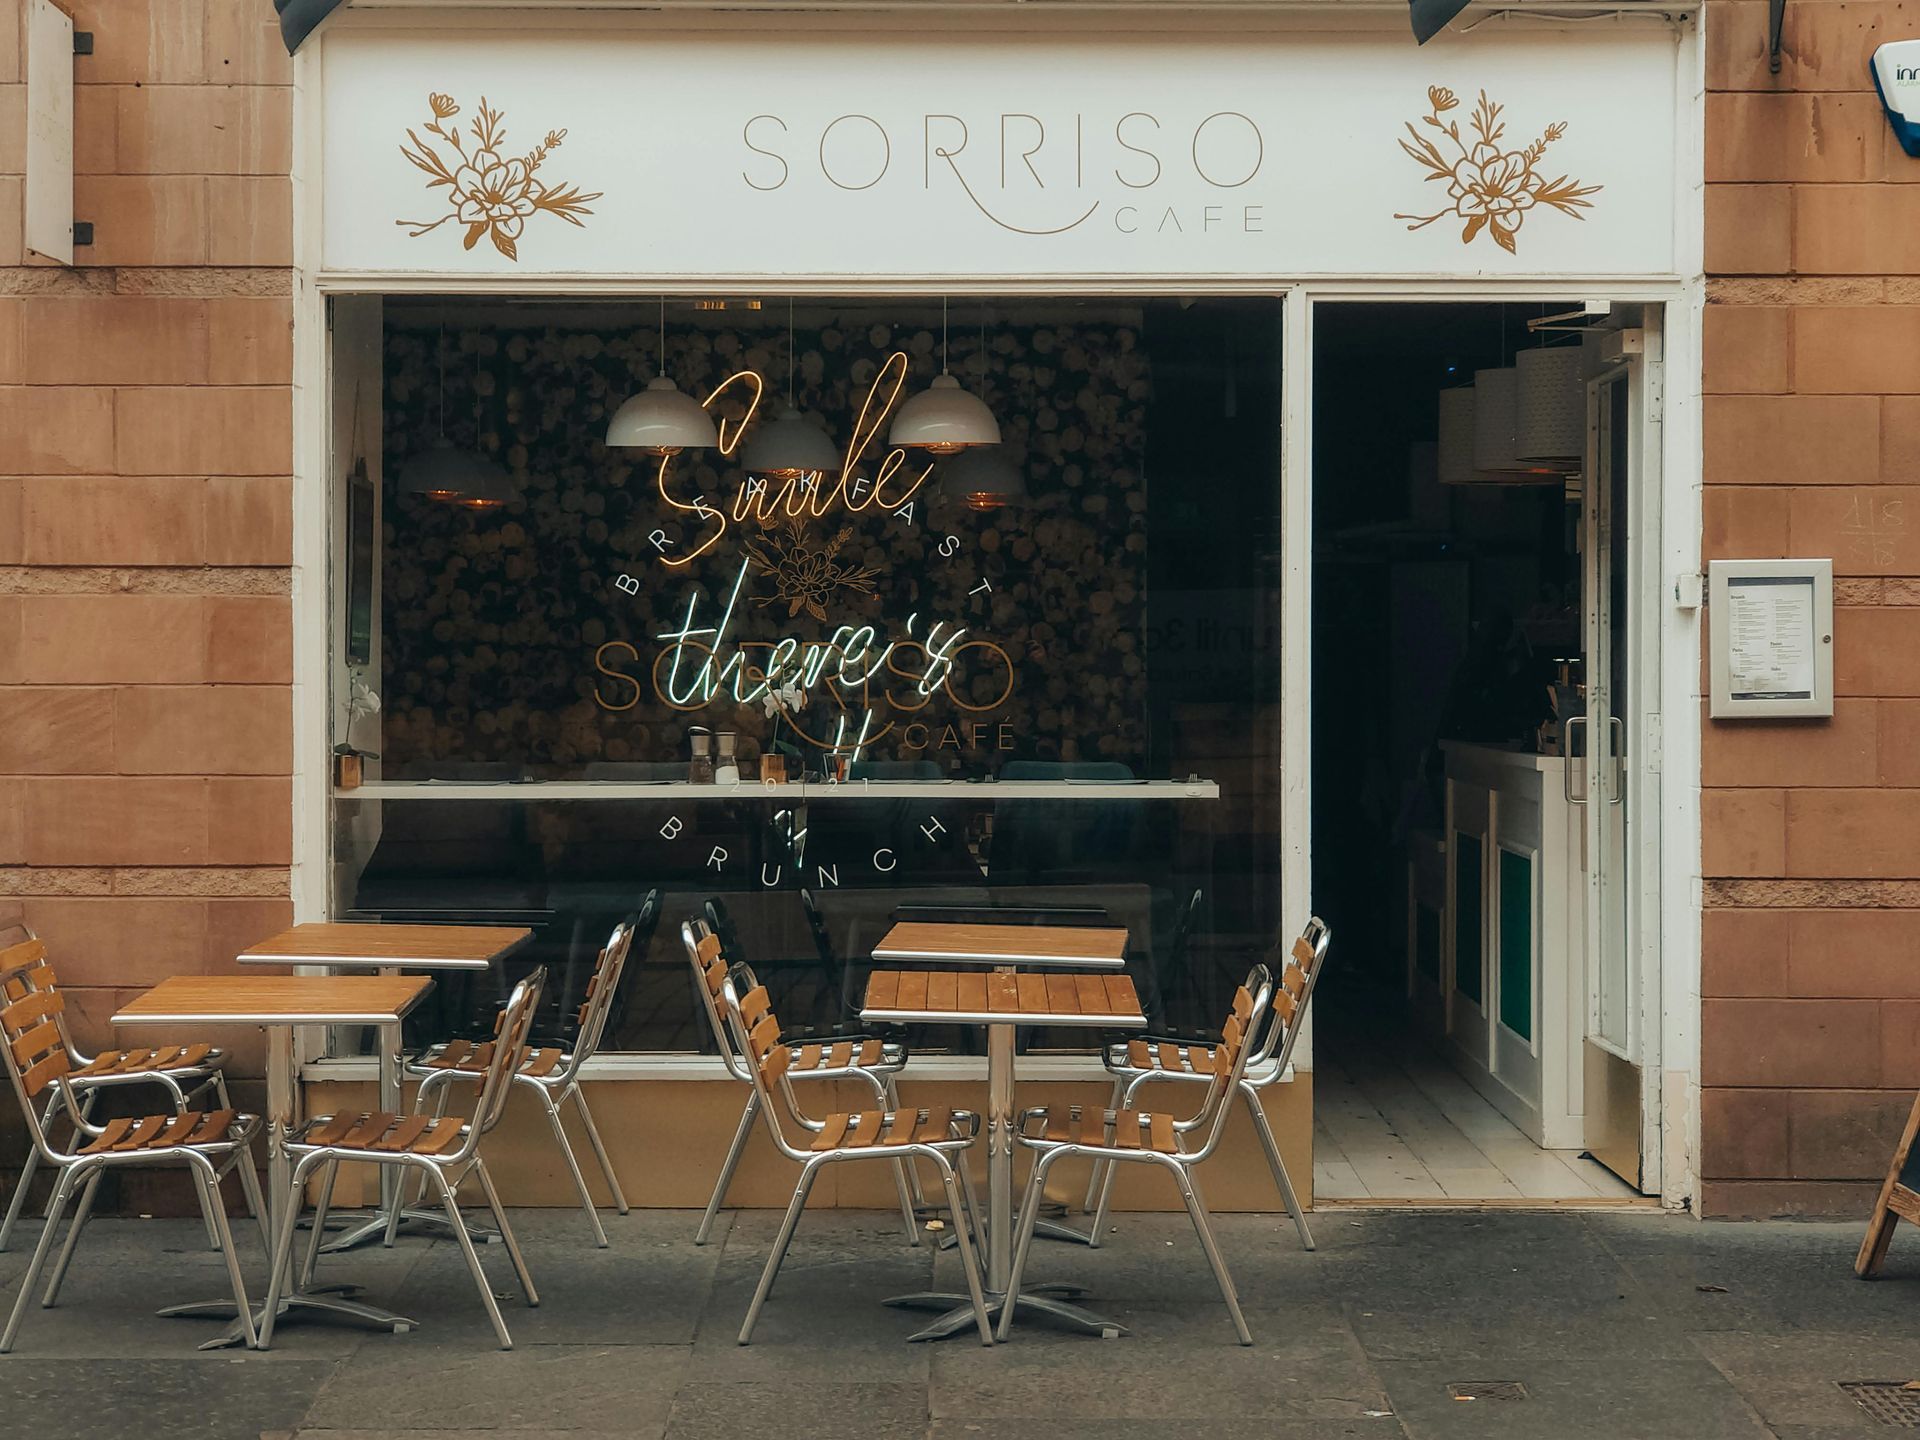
(1611, 1062)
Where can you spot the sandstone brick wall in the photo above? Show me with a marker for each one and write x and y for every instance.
(145, 514)
(1811, 964)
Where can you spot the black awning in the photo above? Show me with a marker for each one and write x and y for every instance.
(1430, 17)
(298, 17)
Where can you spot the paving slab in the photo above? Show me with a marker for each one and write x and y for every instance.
(559, 1387)
(1794, 1379)
(722, 1410)
(225, 1397)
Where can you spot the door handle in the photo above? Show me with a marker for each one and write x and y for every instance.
(1566, 750)
(1617, 746)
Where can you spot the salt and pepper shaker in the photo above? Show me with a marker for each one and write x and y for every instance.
(726, 770)
(700, 768)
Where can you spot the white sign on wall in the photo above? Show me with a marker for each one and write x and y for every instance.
(653, 155)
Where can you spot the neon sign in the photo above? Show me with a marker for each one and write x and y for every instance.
(803, 494)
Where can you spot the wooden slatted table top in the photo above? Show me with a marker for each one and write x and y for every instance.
(1069, 945)
(277, 1000)
(420, 947)
(970, 997)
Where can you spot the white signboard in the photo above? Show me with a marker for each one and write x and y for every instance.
(681, 156)
(1772, 629)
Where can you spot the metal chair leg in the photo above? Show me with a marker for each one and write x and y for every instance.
(452, 1208)
(249, 1175)
(1183, 1176)
(740, 1134)
(1102, 1167)
(19, 1201)
(969, 1262)
(1029, 1217)
(780, 1243)
(907, 1213)
(223, 1232)
(319, 1231)
(573, 1166)
(56, 1207)
(891, 1091)
(206, 1222)
(599, 1149)
(1279, 1168)
(975, 1216)
(82, 1213)
(256, 1202)
(283, 1247)
(1105, 1207)
(527, 1290)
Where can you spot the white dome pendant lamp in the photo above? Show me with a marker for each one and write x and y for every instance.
(661, 420)
(943, 419)
(789, 444)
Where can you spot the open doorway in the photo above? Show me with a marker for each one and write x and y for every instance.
(1469, 618)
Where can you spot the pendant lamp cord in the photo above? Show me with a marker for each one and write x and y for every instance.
(792, 345)
(943, 335)
(663, 334)
(441, 349)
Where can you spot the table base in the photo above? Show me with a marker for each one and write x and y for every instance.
(317, 1301)
(1045, 1299)
(1042, 1229)
(432, 1223)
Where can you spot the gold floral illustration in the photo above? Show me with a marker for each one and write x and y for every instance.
(1489, 187)
(489, 192)
(805, 574)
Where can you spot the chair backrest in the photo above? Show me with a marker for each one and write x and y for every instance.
(32, 1032)
(601, 985)
(509, 1050)
(1251, 1004)
(1299, 973)
(756, 1032)
(721, 923)
(709, 963)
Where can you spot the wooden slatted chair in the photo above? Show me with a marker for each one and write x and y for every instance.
(39, 1059)
(445, 1150)
(866, 1058)
(1141, 1060)
(185, 1072)
(549, 1071)
(889, 1135)
(1126, 1136)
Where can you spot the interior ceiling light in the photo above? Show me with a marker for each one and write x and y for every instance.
(1550, 424)
(944, 419)
(1496, 410)
(445, 472)
(789, 444)
(984, 478)
(1454, 433)
(660, 420)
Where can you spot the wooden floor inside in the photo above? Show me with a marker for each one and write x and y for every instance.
(1394, 1124)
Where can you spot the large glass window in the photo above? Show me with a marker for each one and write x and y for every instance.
(1035, 678)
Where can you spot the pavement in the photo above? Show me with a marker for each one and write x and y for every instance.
(1612, 1323)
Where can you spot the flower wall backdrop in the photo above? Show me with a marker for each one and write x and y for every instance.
(492, 620)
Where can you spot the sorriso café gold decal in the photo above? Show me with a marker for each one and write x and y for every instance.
(490, 193)
(1491, 188)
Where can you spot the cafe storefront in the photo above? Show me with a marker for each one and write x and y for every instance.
(996, 580)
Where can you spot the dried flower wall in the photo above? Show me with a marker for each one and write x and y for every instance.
(492, 621)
